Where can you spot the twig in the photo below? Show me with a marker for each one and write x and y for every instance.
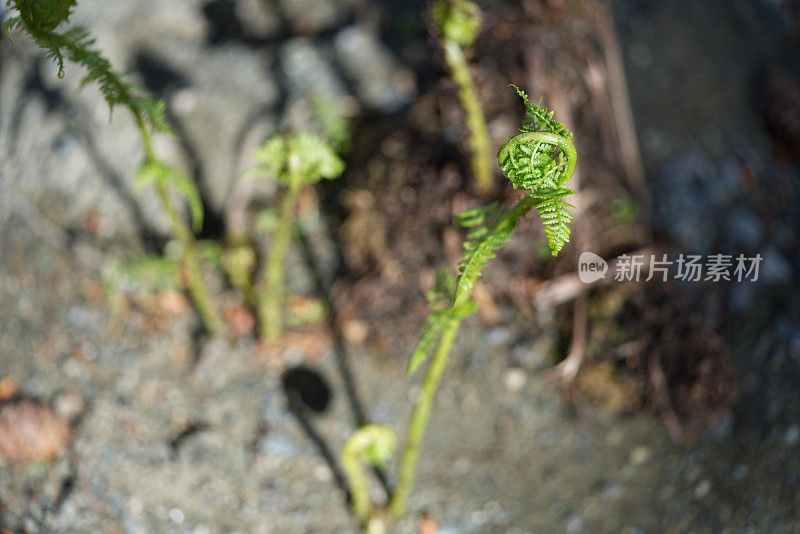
(621, 105)
(568, 369)
(568, 287)
(661, 397)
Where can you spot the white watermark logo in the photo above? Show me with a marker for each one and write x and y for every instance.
(591, 267)
(685, 268)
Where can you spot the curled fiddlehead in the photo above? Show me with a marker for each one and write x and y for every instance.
(540, 159)
(370, 445)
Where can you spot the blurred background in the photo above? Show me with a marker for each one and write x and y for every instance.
(618, 407)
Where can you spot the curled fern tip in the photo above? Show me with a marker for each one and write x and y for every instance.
(542, 159)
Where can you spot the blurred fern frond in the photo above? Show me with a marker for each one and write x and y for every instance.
(40, 18)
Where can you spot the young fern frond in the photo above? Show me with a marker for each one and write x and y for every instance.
(160, 174)
(458, 23)
(540, 159)
(294, 160)
(40, 18)
(370, 445)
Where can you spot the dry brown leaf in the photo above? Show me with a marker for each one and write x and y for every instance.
(428, 524)
(8, 386)
(241, 320)
(31, 431)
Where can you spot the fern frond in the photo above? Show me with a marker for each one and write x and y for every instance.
(158, 172)
(438, 321)
(40, 18)
(555, 217)
(541, 159)
(303, 155)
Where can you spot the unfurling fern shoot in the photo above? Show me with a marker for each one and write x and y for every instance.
(540, 159)
(458, 23)
(39, 19)
(370, 445)
(295, 160)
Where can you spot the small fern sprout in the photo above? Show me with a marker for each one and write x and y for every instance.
(458, 23)
(370, 445)
(295, 160)
(40, 20)
(540, 159)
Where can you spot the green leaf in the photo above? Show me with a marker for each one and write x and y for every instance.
(159, 173)
(541, 159)
(457, 20)
(316, 158)
(307, 155)
(555, 217)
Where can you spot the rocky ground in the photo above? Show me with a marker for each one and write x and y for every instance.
(181, 433)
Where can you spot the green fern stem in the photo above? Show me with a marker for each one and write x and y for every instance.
(419, 420)
(191, 254)
(476, 122)
(272, 290)
(370, 445)
(420, 416)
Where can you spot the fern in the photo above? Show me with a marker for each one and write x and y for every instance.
(458, 23)
(540, 159)
(160, 174)
(40, 18)
(295, 161)
(370, 445)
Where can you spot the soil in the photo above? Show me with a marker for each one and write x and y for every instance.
(684, 416)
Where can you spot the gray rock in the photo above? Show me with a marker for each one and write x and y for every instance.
(380, 80)
(775, 269)
(258, 18)
(743, 229)
(312, 16)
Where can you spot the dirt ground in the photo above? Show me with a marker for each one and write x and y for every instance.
(684, 416)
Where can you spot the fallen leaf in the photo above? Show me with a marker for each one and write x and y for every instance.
(31, 431)
(8, 386)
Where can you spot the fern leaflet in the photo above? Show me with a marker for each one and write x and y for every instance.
(540, 159)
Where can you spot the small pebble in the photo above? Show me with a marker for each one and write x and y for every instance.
(740, 472)
(574, 525)
(322, 473)
(176, 515)
(514, 379)
(640, 455)
(702, 489)
(792, 436)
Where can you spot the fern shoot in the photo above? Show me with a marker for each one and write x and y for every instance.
(458, 23)
(370, 445)
(295, 160)
(40, 19)
(540, 159)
